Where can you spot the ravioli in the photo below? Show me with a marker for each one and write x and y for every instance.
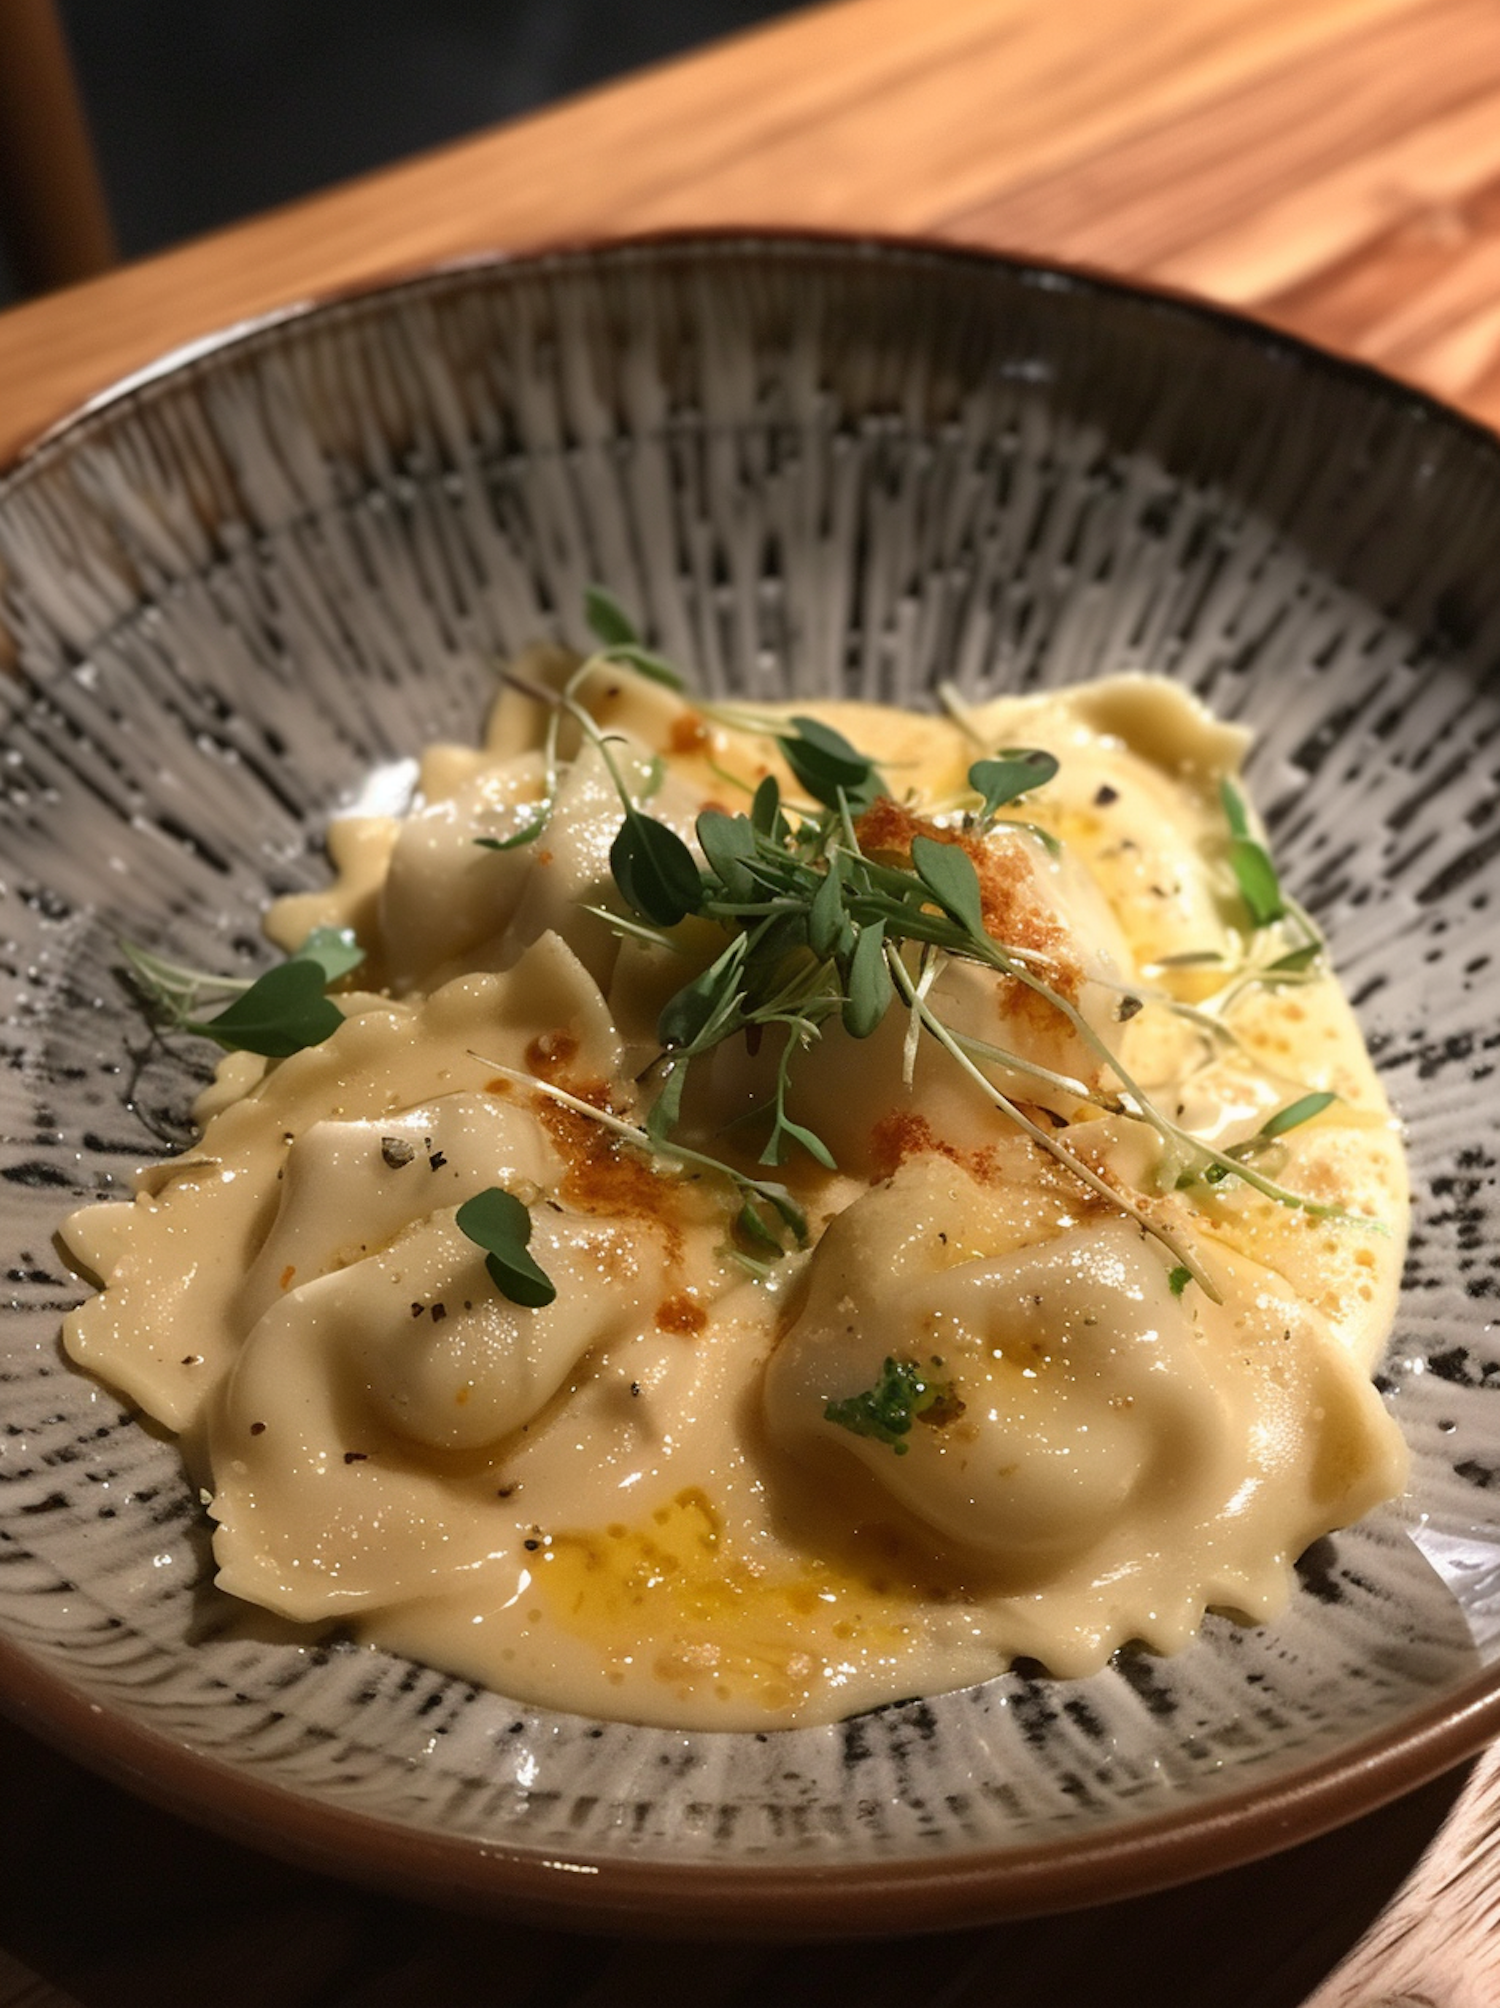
(1003, 1285)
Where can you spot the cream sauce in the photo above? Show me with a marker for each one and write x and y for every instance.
(633, 1502)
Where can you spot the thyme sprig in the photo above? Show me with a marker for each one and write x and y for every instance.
(500, 1223)
(905, 1391)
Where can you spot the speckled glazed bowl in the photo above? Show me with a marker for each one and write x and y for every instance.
(238, 587)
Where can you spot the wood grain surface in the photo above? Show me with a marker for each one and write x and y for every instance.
(1438, 1942)
(1330, 165)
(1333, 165)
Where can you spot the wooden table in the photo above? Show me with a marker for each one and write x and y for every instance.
(1332, 165)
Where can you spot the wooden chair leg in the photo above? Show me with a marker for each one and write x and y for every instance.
(54, 222)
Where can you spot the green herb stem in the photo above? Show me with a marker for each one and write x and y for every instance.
(774, 1195)
(1049, 1140)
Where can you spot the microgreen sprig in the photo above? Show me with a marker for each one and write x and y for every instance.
(275, 1014)
(886, 1411)
(1013, 772)
(499, 1223)
(763, 1200)
(1254, 873)
(828, 767)
(526, 834)
(817, 929)
(1286, 946)
(613, 628)
(1233, 1161)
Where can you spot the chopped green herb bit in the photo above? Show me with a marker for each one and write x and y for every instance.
(496, 1221)
(887, 1410)
(1179, 1279)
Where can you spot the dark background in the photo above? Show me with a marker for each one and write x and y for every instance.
(207, 110)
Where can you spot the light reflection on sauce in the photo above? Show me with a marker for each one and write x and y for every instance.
(706, 1620)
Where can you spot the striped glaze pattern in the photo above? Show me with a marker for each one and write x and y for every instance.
(239, 597)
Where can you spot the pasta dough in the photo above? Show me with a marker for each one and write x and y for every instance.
(1079, 1342)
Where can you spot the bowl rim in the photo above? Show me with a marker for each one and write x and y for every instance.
(1056, 274)
(795, 1897)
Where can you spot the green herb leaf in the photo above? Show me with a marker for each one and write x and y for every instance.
(334, 950)
(1250, 861)
(810, 1141)
(1255, 875)
(784, 1206)
(692, 1011)
(647, 663)
(1179, 1279)
(281, 1013)
(496, 1221)
(827, 923)
(607, 619)
(1300, 1111)
(612, 626)
(662, 1116)
(1294, 1113)
(869, 990)
(886, 1410)
(828, 766)
(769, 949)
(654, 870)
(727, 842)
(527, 834)
(1013, 772)
(765, 810)
(1234, 809)
(949, 875)
(750, 1222)
(1295, 960)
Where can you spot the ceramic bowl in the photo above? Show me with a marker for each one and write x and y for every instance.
(240, 587)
